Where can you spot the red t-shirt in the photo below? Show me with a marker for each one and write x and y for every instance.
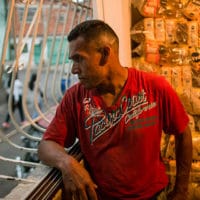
(121, 143)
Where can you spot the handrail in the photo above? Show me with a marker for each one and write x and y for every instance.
(52, 182)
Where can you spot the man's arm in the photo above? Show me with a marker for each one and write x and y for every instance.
(183, 143)
(76, 179)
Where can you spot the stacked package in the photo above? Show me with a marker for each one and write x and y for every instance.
(165, 38)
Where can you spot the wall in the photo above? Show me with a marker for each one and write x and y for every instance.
(118, 17)
(2, 24)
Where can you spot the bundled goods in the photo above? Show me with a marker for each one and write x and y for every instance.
(161, 30)
(166, 40)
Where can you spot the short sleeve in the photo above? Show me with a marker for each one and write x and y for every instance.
(62, 128)
(175, 117)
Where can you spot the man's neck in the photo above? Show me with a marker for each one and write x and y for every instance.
(111, 91)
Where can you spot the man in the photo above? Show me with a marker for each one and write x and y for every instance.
(16, 100)
(118, 114)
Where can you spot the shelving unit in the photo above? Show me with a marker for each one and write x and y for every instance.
(165, 39)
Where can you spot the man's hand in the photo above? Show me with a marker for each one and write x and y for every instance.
(77, 182)
(177, 195)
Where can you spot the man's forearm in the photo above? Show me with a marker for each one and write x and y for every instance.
(183, 160)
(52, 154)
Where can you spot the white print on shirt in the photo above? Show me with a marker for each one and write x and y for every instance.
(98, 121)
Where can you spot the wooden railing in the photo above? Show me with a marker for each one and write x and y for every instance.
(51, 185)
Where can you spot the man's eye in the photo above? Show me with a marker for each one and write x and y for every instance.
(77, 59)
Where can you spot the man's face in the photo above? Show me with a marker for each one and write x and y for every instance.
(86, 62)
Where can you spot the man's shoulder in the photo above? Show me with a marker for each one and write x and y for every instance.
(146, 74)
(76, 91)
(76, 88)
(149, 79)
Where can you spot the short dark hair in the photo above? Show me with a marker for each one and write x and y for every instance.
(92, 29)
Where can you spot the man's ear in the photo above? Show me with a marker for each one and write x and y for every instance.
(105, 52)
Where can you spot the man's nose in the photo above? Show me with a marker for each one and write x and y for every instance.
(75, 69)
